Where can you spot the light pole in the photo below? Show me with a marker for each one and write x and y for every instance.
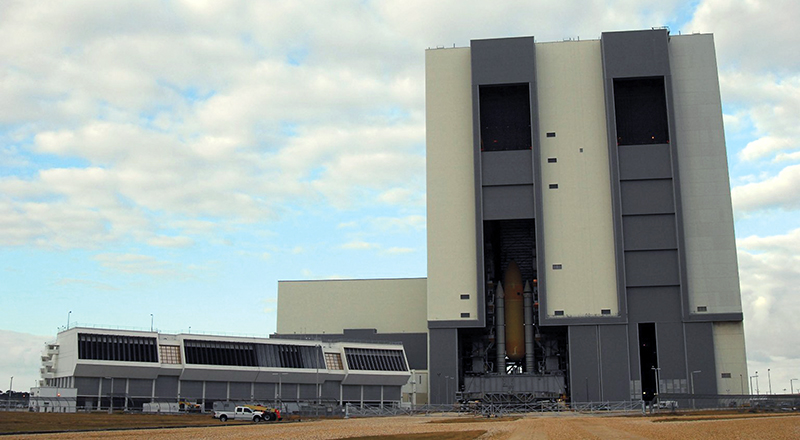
(70, 312)
(316, 380)
(769, 378)
(791, 384)
(741, 382)
(757, 390)
(10, 387)
(693, 373)
(151, 322)
(447, 389)
(658, 391)
(280, 387)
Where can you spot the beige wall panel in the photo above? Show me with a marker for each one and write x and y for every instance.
(452, 260)
(712, 268)
(578, 221)
(390, 306)
(729, 356)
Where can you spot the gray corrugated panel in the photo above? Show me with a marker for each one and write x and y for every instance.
(614, 362)
(671, 354)
(443, 361)
(584, 363)
(166, 386)
(647, 197)
(216, 390)
(89, 385)
(502, 60)
(635, 54)
(351, 392)
(264, 391)
(140, 387)
(191, 389)
(700, 356)
(654, 304)
(507, 167)
(652, 268)
(372, 392)
(240, 390)
(644, 232)
(508, 202)
(644, 162)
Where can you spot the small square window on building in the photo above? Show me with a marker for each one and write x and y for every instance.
(465, 314)
(559, 313)
(557, 267)
(702, 308)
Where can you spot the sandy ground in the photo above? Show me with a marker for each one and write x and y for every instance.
(549, 426)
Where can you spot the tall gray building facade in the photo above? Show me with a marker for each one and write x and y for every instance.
(580, 230)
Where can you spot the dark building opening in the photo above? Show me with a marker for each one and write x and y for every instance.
(505, 117)
(641, 111)
(648, 360)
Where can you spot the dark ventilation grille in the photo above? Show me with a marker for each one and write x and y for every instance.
(253, 355)
(505, 112)
(220, 353)
(551, 134)
(559, 313)
(641, 111)
(375, 360)
(552, 160)
(117, 348)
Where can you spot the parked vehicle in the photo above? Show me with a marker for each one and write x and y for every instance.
(249, 412)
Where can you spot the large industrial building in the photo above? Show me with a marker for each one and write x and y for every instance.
(125, 369)
(580, 230)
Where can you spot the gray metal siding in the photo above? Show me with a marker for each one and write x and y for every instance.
(647, 232)
(513, 167)
(140, 387)
(652, 268)
(166, 386)
(240, 390)
(614, 362)
(216, 390)
(700, 356)
(191, 389)
(584, 363)
(508, 202)
(443, 361)
(647, 197)
(644, 162)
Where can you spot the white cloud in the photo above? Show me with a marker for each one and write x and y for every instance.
(358, 245)
(399, 250)
(780, 191)
(21, 358)
(770, 283)
(139, 264)
(85, 283)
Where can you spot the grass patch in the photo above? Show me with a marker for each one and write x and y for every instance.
(22, 422)
(455, 435)
(476, 420)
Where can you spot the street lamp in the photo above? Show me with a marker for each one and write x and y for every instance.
(70, 312)
(791, 384)
(316, 380)
(151, 322)
(693, 373)
(280, 387)
(10, 387)
(769, 378)
(656, 372)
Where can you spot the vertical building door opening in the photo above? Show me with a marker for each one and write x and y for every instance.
(648, 360)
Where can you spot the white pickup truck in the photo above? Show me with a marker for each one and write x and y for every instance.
(241, 413)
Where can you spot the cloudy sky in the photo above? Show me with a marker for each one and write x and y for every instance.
(178, 158)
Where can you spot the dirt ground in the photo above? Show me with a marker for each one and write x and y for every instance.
(547, 426)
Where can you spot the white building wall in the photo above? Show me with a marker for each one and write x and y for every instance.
(712, 269)
(729, 356)
(329, 306)
(578, 223)
(452, 252)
